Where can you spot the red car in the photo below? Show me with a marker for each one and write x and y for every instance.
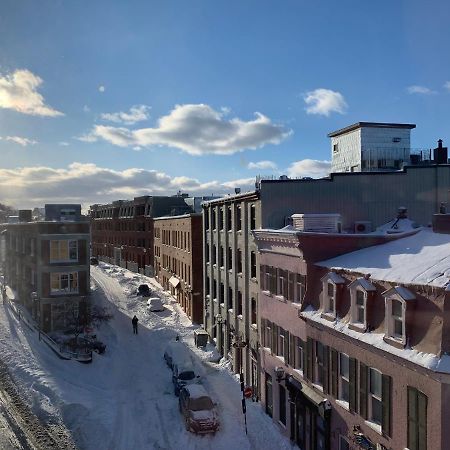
(198, 409)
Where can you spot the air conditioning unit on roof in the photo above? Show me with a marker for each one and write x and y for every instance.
(363, 227)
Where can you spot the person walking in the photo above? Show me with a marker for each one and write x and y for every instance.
(135, 321)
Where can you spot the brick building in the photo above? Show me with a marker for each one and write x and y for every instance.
(51, 259)
(123, 230)
(179, 260)
(354, 349)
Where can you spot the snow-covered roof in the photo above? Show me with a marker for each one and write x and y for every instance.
(334, 278)
(420, 259)
(398, 226)
(427, 360)
(404, 293)
(196, 391)
(364, 283)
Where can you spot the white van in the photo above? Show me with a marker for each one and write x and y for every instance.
(155, 304)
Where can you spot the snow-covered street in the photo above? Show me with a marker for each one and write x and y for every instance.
(124, 399)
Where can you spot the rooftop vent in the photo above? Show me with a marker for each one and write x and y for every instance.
(318, 223)
(237, 190)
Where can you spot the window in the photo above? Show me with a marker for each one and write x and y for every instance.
(221, 221)
(300, 288)
(207, 253)
(330, 299)
(417, 419)
(318, 368)
(397, 319)
(222, 293)
(230, 298)
(269, 396)
(64, 282)
(282, 404)
(267, 334)
(344, 377)
(299, 346)
(335, 148)
(239, 261)
(252, 264)
(254, 311)
(206, 214)
(221, 257)
(375, 403)
(230, 258)
(238, 218)
(281, 343)
(213, 218)
(291, 286)
(214, 254)
(239, 305)
(360, 307)
(63, 251)
(229, 223)
(252, 217)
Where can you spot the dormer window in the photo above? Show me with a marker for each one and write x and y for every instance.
(329, 294)
(396, 300)
(359, 293)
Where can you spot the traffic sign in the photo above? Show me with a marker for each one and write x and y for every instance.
(248, 391)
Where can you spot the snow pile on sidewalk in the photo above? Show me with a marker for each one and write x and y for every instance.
(124, 400)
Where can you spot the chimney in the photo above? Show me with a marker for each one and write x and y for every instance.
(440, 153)
(237, 190)
(402, 213)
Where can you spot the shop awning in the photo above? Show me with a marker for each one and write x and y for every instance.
(174, 281)
(312, 395)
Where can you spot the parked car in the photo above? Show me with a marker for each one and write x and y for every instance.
(155, 304)
(175, 351)
(144, 290)
(94, 261)
(183, 374)
(199, 412)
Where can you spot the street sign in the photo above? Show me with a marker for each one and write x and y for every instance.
(248, 391)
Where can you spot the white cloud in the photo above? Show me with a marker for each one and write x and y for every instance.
(18, 91)
(101, 88)
(20, 140)
(197, 130)
(89, 183)
(137, 113)
(64, 144)
(262, 165)
(420, 90)
(309, 168)
(86, 109)
(447, 86)
(325, 101)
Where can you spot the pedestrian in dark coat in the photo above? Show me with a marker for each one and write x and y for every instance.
(135, 321)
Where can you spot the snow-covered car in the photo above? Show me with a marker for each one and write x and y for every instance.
(94, 261)
(175, 351)
(144, 290)
(199, 412)
(155, 304)
(183, 374)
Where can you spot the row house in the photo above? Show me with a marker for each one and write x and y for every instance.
(354, 348)
(231, 281)
(47, 264)
(179, 260)
(123, 230)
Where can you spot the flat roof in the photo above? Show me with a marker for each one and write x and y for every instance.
(357, 125)
(179, 216)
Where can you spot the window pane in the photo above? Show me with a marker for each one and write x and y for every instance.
(398, 327)
(376, 410)
(360, 315)
(330, 289)
(396, 308)
(359, 297)
(343, 366)
(375, 382)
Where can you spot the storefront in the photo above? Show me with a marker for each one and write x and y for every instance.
(310, 416)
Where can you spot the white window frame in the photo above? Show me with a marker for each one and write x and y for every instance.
(355, 307)
(373, 397)
(343, 379)
(326, 298)
(72, 277)
(390, 319)
(281, 343)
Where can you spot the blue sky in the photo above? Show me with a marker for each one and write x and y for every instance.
(69, 68)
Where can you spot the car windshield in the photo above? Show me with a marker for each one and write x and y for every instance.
(200, 404)
(188, 375)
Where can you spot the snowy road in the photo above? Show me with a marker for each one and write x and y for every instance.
(124, 400)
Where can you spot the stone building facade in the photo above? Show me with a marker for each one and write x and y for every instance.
(47, 265)
(179, 260)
